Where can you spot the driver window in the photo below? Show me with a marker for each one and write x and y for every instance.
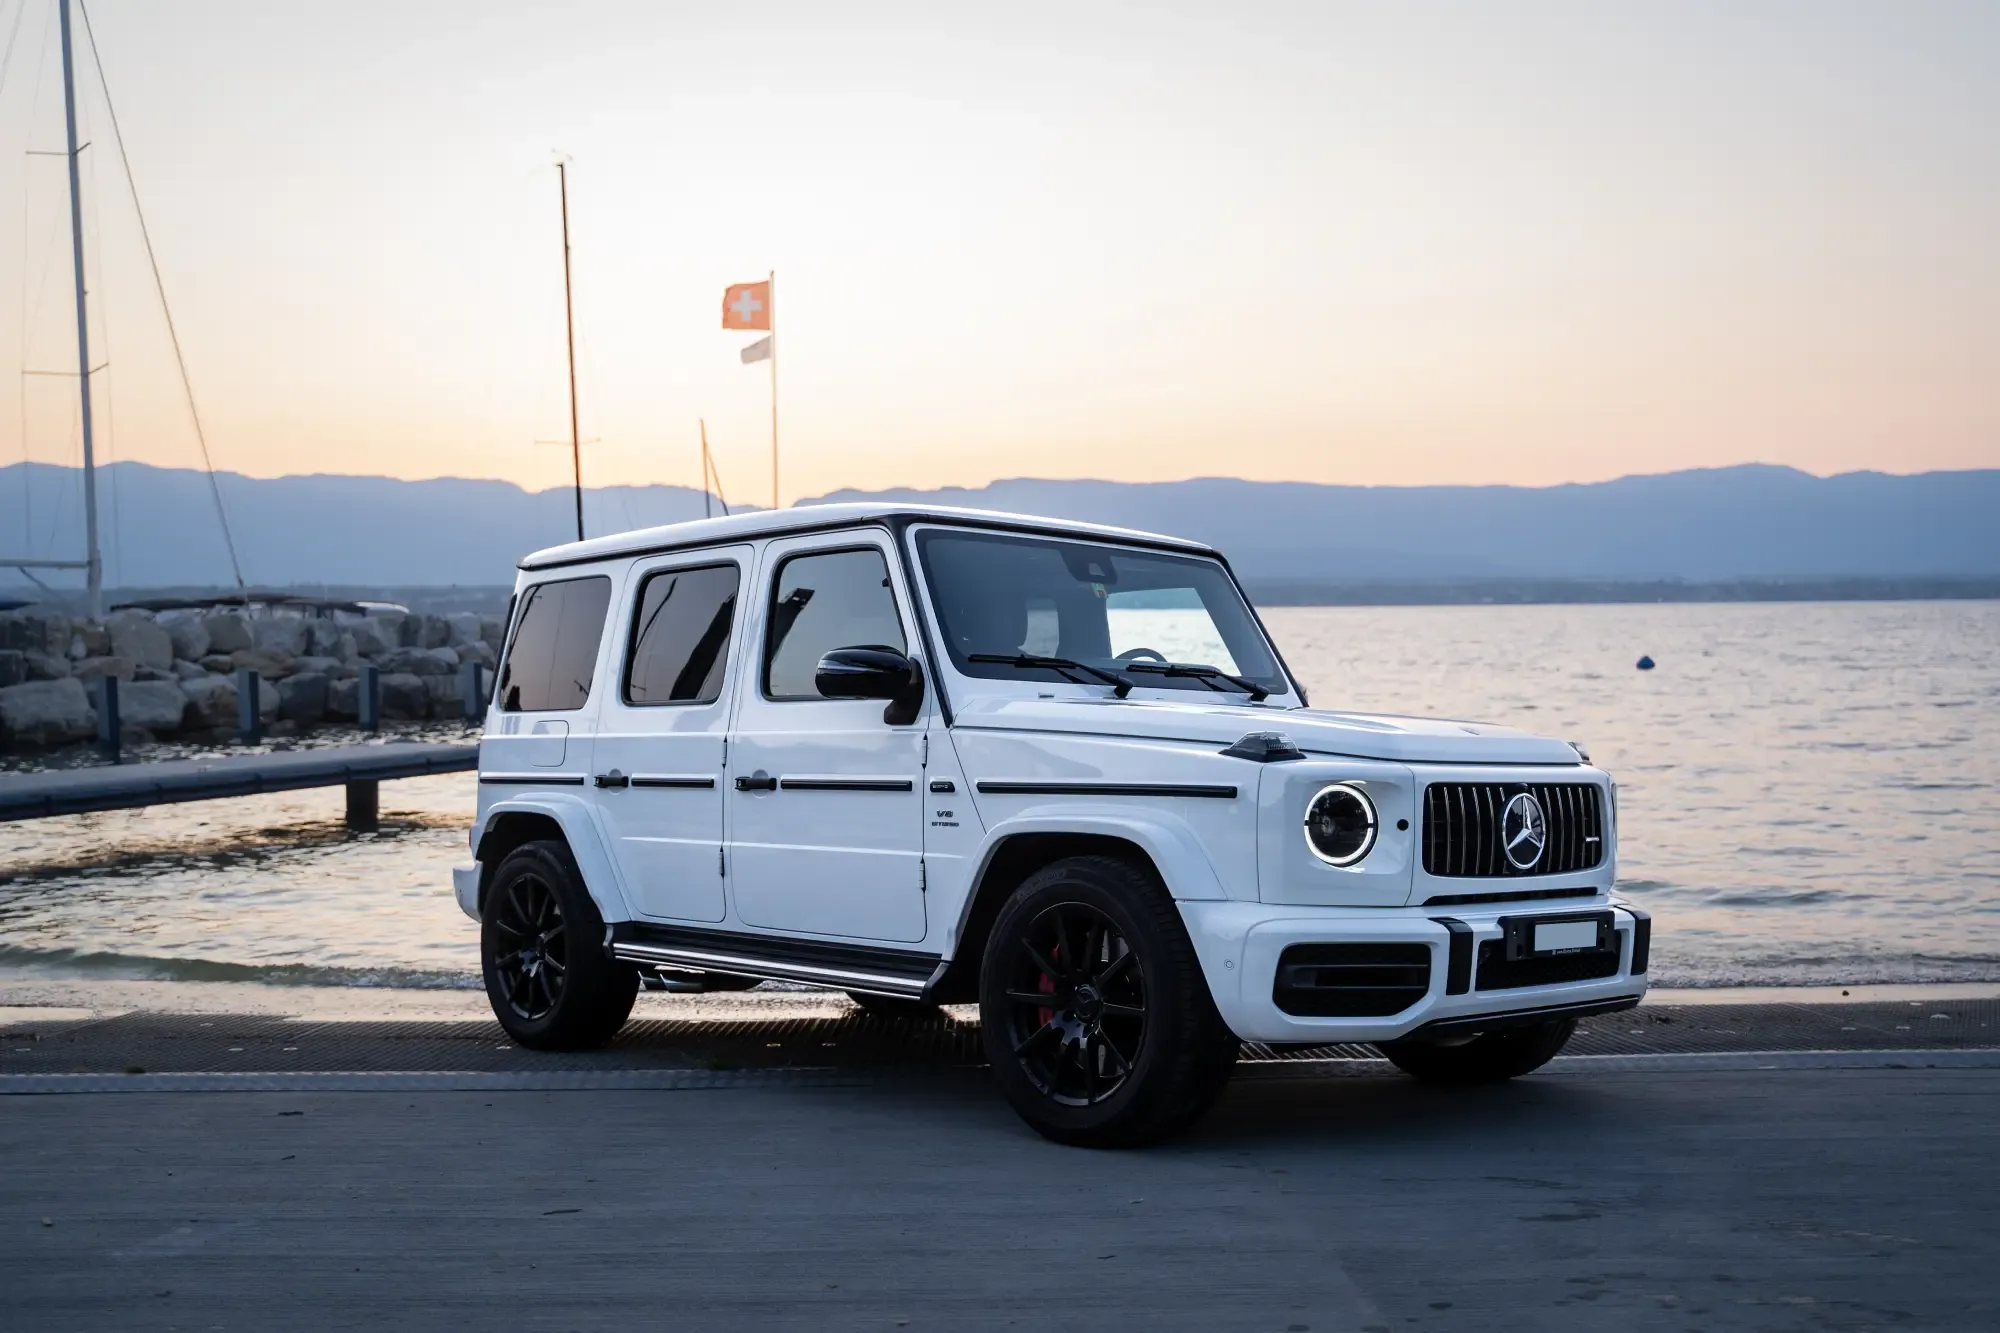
(1165, 624)
(822, 601)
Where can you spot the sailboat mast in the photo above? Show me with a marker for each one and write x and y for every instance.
(569, 332)
(94, 574)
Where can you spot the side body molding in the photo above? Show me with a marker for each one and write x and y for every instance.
(577, 819)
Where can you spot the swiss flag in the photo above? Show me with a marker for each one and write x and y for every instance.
(747, 305)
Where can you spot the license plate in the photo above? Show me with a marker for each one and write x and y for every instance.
(1555, 936)
(1543, 936)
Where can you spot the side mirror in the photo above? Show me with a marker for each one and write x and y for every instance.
(873, 673)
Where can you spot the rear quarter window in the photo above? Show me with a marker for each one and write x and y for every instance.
(553, 656)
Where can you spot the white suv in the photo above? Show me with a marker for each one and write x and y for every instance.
(932, 756)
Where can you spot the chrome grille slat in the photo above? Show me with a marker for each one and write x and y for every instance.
(1462, 828)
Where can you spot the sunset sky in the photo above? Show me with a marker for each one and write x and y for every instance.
(1387, 244)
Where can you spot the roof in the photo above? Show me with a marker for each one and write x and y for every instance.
(814, 518)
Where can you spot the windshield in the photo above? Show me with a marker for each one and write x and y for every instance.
(1110, 608)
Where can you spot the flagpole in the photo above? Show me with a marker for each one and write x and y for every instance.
(773, 280)
(706, 509)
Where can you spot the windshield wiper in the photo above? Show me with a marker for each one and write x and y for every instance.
(1207, 675)
(1120, 686)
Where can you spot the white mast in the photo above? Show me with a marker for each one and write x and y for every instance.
(94, 572)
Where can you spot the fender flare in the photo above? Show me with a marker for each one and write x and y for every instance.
(578, 821)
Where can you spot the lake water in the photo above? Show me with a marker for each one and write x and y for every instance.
(1807, 796)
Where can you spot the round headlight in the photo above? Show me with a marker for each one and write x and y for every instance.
(1340, 824)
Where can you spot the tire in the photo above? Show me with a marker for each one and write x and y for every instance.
(1130, 1050)
(893, 1006)
(1490, 1057)
(550, 982)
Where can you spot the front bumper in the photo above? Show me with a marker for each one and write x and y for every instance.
(1240, 945)
(465, 888)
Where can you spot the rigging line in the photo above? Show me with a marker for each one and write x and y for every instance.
(159, 285)
(7, 60)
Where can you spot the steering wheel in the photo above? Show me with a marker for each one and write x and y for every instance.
(1133, 654)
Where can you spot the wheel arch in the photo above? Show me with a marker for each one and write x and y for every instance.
(510, 824)
(1015, 852)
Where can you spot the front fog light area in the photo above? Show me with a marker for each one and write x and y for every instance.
(1340, 824)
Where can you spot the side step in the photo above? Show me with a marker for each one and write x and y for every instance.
(898, 972)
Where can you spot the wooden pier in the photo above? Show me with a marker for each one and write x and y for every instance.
(359, 768)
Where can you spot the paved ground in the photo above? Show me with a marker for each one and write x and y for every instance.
(800, 1031)
(1778, 1200)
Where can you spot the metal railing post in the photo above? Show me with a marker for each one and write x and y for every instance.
(471, 688)
(249, 717)
(368, 698)
(110, 727)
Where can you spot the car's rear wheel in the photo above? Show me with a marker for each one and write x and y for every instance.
(551, 984)
(1490, 1057)
(1094, 1011)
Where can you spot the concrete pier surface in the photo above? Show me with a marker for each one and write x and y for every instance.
(870, 1180)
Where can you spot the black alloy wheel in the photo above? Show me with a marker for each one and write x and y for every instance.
(1095, 1014)
(535, 964)
(551, 984)
(1076, 998)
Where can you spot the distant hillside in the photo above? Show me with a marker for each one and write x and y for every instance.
(1726, 524)
(159, 526)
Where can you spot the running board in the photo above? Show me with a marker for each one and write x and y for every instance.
(894, 972)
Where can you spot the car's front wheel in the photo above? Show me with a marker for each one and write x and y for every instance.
(551, 984)
(1094, 1011)
(1490, 1057)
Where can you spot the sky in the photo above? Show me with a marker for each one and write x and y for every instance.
(1374, 244)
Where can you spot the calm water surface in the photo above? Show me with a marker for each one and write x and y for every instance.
(1808, 795)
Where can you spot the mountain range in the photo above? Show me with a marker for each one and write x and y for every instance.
(1748, 522)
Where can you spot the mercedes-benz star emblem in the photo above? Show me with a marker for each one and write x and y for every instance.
(1524, 831)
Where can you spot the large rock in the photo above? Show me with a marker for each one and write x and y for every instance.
(88, 640)
(403, 696)
(228, 631)
(189, 636)
(302, 698)
(153, 673)
(280, 634)
(269, 665)
(422, 661)
(343, 699)
(492, 631)
(447, 699)
(35, 629)
(374, 638)
(330, 667)
(476, 652)
(48, 666)
(136, 636)
(211, 701)
(13, 667)
(462, 628)
(46, 712)
(90, 668)
(390, 622)
(160, 706)
(322, 638)
(219, 663)
(189, 670)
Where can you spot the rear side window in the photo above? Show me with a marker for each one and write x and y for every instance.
(680, 636)
(554, 653)
(823, 601)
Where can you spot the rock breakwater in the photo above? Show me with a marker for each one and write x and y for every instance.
(177, 669)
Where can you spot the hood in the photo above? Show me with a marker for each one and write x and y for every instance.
(1411, 740)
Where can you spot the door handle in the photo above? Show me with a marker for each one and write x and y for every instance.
(758, 781)
(613, 779)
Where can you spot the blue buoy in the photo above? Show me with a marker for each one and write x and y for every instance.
(1645, 664)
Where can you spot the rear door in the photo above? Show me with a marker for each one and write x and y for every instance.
(538, 731)
(825, 798)
(659, 752)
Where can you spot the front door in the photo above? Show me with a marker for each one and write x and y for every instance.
(825, 798)
(658, 755)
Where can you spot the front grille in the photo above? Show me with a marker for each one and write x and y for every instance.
(1353, 980)
(1462, 828)
(1496, 973)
